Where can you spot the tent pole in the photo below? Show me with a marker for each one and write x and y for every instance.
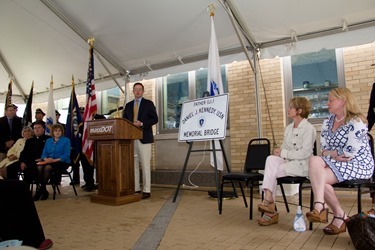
(12, 76)
(109, 72)
(235, 27)
(257, 97)
(253, 63)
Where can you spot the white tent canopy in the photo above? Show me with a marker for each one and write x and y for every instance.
(147, 39)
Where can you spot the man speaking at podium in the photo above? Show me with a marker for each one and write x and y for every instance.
(142, 113)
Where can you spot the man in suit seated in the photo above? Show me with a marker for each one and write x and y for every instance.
(10, 129)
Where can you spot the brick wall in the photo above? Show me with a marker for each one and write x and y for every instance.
(359, 76)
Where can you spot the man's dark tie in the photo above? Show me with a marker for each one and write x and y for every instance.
(10, 124)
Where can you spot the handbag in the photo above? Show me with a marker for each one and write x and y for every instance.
(361, 228)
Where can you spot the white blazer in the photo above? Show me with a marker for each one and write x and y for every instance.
(297, 147)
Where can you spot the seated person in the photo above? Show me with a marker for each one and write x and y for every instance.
(55, 156)
(20, 218)
(346, 155)
(30, 154)
(14, 152)
(291, 159)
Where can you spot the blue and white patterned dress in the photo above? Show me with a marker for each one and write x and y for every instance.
(349, 139)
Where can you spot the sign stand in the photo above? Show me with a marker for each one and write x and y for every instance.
(215, 163)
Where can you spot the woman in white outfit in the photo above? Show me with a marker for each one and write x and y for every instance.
(14, 152)
(291, 159)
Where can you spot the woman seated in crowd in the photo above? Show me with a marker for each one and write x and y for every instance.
(55, 156)
(14, 152)
(289, 160)
(346, 155)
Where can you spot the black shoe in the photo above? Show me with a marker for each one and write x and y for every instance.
(37, 196)
(45, 196)
(138, 192)
(145, 195)
(74, 183)
(90, 188)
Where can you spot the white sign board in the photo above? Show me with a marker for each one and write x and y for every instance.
(204, 119)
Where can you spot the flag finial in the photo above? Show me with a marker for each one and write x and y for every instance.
(91, 41)
(211, 8)
(51, 79)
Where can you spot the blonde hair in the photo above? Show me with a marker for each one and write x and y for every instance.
(351, 108)
(27, 128)
(302, 103)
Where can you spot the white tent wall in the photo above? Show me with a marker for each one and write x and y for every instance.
(148, 39)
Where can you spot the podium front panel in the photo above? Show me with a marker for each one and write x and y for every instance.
(115, 163)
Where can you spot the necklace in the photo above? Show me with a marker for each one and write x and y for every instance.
(339, 120)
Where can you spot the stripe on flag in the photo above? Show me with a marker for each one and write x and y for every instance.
(90, 109)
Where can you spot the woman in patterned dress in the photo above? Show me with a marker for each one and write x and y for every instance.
(346, 155)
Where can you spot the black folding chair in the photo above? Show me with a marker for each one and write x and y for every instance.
(64, 173)
(300, 180)
(257, 152)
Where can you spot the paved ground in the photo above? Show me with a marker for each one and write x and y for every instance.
(192, 222)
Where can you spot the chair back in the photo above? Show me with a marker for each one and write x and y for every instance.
(257, 152)
(371, 142)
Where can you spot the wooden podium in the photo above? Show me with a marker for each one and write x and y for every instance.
(114, 160)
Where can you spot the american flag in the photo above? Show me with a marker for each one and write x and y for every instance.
(90, 109)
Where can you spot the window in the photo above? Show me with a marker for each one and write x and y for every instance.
(175, 92)
(313, 75)
(175, 89)
(110, 100)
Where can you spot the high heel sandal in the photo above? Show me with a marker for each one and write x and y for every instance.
(267, 207)
(318, 216)
(267, 220)
(332, 229)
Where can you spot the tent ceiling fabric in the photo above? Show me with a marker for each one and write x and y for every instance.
(153, 38)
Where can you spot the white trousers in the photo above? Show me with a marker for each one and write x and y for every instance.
(143, 152)
(275, 168)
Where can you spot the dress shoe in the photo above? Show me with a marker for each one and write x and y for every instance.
(138, 192)
(90, 188)
(37, 196)
(45, 196)
(46, 244)
(145, 195)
